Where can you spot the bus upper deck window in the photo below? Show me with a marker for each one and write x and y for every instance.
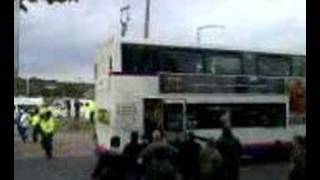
(299, 66)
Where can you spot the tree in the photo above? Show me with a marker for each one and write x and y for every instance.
(25, 9)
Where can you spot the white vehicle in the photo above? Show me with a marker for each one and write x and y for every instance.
(27, 103)
(143, 85)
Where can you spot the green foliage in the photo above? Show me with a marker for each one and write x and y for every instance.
(50, 88)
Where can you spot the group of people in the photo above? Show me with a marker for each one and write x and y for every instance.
(88, 108)
(42, 125)
(161, 160)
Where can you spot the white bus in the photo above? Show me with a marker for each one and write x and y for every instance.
(143, 84)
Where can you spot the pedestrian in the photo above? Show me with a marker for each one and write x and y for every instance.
(23, 125)
(130, 153)
(110, 165)
(230, 148)
(77, 107)
(48, 130)
(35, 124)
(190, 152)
(211, 160)
(158, 158)
(92, 111)
(68, 107)
(298, 159)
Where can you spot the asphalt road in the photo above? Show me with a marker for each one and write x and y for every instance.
(75, 161)
(79, 168)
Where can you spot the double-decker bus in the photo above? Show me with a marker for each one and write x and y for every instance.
(142, 85)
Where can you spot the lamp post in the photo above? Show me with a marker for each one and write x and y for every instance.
(17, 10)
(124, 19)
(147, 20)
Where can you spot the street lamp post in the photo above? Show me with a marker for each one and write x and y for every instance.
(17, 37)
(199, 29)
(124, 19)
(147, 20)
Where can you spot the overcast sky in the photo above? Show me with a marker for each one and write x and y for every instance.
(60, 41)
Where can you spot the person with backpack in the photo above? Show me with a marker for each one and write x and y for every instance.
(158, 158)
(210, 161)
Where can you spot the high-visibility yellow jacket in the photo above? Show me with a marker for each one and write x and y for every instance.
(35, 120)
(49, 126)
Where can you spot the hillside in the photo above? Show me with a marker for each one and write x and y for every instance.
(52, 88)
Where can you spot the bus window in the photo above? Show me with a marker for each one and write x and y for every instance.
(249, 64)
(299, 66)
(207, 116)
(180, 61)
(273, 66)
(224, 64)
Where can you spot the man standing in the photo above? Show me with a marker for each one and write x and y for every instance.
(131, 152)
(77, 109)
(68, 107)
(190, 157)
(47, 131)
(230, 148)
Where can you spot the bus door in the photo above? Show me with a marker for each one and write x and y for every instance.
(174, 118)
(167, 115)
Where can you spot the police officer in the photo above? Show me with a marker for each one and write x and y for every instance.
(92, 111)
(35, 124)
(47, 126)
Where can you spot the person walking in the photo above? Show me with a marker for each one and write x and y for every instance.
(230, 148)
(158, 158)
(210, 162)
(48, 129)
(68, 107)
(23, 125)
(77, 109)
(35, 124)
(110, 165)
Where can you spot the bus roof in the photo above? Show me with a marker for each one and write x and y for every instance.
(180, 44)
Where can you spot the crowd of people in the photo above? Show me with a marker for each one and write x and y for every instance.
(159, 159)
(188, 160)
(42, 125)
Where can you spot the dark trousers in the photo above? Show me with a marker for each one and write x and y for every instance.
(91, 117)
(35, 133)
(47, 145)
(23, 133)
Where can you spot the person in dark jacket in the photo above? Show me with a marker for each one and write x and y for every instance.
(130, 153)
(230, 148)
(298, 160)
(158, 158)
(210, 159)
(110, 165)
(77, 107)
(190, 152)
